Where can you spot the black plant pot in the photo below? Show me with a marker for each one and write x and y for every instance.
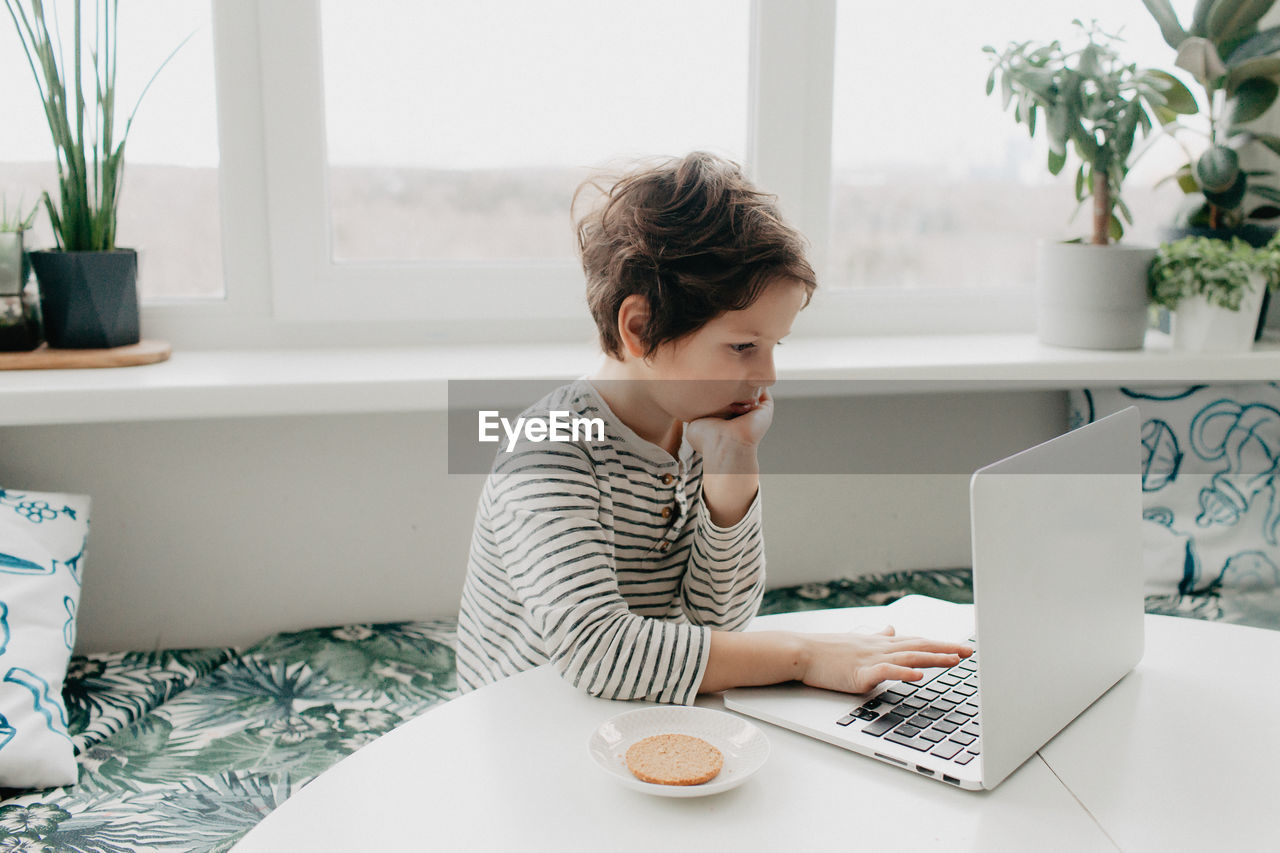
(89, 299)
(1255, 235)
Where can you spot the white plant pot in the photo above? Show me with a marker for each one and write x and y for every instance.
(1198, 326)
(1092, 297)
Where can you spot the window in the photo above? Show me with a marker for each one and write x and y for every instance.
(320, 271)
(464, 134)
(169, 204)
(933, 184)
(399, 171)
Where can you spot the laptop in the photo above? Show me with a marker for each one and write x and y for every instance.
(1057, 620)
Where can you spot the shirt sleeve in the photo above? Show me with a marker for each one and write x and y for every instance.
(559, 561)
(724, 583)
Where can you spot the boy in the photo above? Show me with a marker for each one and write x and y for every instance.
(630, 563)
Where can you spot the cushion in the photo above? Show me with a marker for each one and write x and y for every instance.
(207, 765)
(42, 542)
(1210, 472)
(870, 590)
(107, 691)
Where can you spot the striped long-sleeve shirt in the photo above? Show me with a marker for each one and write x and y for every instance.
(601, 558)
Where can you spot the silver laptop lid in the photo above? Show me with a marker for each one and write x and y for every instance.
(1057, 582)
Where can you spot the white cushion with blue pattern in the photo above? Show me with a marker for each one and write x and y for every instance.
(1210, 475)
(42, 540)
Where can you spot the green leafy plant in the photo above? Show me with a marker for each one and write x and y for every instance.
(90, 167)
(1092, 102)
(1218, 270)
(15, 220)
(1237, 66)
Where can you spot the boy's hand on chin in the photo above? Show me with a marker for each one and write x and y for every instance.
(731, 435)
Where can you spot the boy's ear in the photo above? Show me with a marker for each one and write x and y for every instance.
(633, 317)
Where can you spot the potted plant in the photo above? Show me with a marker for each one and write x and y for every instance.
(19, 318)
(1214, 289)
(88, 286)
(1237, 67)
(1238, 70)
(1090, 295)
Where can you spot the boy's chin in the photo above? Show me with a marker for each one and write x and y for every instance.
(725, 413)
(736, 410)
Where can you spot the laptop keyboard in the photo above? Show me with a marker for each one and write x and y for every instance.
(938, 716)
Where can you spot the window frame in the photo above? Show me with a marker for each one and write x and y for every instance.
(282, 288)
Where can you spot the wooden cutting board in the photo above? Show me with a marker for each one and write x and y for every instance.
(44, 358)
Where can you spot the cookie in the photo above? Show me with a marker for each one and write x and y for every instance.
(674, 760)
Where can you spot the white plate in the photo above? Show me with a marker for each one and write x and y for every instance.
(745, 748)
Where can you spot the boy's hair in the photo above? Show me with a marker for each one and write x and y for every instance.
(692, 236)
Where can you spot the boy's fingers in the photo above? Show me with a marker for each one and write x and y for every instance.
(920, 644)
(888, 672)
(925, 659)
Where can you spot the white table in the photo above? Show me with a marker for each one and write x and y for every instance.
(1159, 763)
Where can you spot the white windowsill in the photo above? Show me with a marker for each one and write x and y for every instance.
(251, 383)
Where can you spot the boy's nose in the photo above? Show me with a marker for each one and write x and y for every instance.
(766, 376)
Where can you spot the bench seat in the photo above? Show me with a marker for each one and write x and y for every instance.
(188, 750)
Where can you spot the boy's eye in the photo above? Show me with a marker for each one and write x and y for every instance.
(740, 347)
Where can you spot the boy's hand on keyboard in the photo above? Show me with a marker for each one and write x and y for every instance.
(855, 663)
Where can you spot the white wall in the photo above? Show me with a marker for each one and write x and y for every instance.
(222, 531)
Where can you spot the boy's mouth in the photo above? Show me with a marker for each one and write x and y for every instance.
(741, 408)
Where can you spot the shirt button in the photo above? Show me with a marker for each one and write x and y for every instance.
(666, 512)
(664, 546)
(666, 479)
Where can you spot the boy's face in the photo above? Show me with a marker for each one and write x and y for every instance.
(721, 369)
